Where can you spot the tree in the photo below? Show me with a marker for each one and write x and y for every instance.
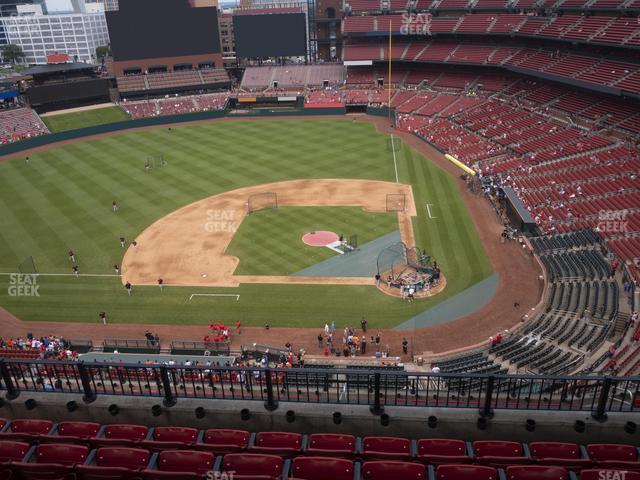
(12, 53)
(102, 52)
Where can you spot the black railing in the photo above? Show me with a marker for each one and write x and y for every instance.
(375, 388)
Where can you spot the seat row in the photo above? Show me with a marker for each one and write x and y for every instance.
(433, 451)
(62, 461)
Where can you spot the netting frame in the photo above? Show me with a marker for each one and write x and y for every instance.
(396, 202)
(262, 201)
(397, 261)
(28, 266)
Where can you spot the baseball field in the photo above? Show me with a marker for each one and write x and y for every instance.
(60, 199)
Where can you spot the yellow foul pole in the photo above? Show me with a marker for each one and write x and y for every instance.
(389, 75)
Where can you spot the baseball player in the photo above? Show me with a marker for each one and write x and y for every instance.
(75, 270)
(129, 288)
(72, 256)
(114, 206)
(116, 269)
(160, 283)
(122, 242)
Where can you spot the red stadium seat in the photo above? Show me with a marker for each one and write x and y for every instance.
(609, 474)
(497, 453)
(611, 455)
(321, 468)
(386, 448)
(121, 435)
(278, 443)
(73, 432)
(189, 461)
(440, 451)
(3, 422)
(165, 438)
(11, 451)
(61, 453)
(122, 457)
(43, 471)
(221, 441)
(558, 454)
(93, 472)
(160, 475)
(536, 472)
(249, 465)
(391, 470)
(466, 472)
(26, 429)
(331, 444)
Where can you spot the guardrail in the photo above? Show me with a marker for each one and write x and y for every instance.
(376, 388)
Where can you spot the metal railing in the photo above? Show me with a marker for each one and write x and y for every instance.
(376, 388)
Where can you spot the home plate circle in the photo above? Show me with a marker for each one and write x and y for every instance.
(321, 238)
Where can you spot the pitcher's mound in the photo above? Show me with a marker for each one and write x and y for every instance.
(319, 239)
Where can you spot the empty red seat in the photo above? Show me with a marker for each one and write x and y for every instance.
(391, 470)
(42, 471)
(160, 475)
(221, 441)
(332, 444)
(386, 448)
(189, 461)
(253, 465)
(164, 438)
(61, 453)
(122, 457)
(536, 472)
(321, 468)
(71, 432)
(559, 454)
(466, 472)
(613, 455)
(121, 434)
(93, 472)
(440, 451)
(278, 443)
(26, 429)
(609, 474)
(11, 451)
(498, 453)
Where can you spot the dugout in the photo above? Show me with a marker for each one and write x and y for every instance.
(67, 85)
(517, 213)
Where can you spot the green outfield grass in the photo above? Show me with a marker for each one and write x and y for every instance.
(61, 200)
(85, 118)
(269, 242)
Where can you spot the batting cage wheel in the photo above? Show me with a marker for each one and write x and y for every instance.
(396, 202)
(262, 201)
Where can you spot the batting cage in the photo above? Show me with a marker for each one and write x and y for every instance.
(28, 265)
(396, 202)
(392, 260)
(262, 201)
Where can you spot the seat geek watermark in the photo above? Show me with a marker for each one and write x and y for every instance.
(23, 285)
(221, 221)
(211, 475)
(613, 221)
(416, 24)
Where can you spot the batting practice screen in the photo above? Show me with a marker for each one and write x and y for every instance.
(270, 35)
(168, 28)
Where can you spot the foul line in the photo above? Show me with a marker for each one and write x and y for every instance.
(395, 163)
(214, 295)
(63, 274)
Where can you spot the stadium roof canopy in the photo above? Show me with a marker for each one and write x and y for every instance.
(56, 68)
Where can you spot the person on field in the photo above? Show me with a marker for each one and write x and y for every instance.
(114, 206)
(160, 283)
(116, 269)
(129, 288)
(72, 256)
(122, 242)
(75, 270)
(103, 317)
(405, 346)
